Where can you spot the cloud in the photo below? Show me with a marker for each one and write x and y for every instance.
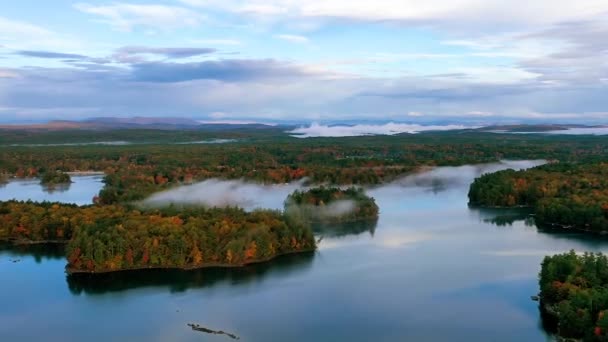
(293, 38)
(216, 41)
(8, 74)
(50, 54)
(21, 35)
(13, 28)
(316, 130)
(229, 70)
(126, 17)
(580, 59)
(130, 53)
(461, 14)
(269, 90)
(218, 115)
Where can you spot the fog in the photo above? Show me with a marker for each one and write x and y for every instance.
(334, 209)
(249, 195)
(316, 130)
(209, 141)
(448, 176)
(222, 193)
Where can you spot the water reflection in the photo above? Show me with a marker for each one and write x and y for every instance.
(180, 280)
(56, 188)
(447, 177)
(503, 217)
(346, 228)
(81, 191)
(431, 258)
(39, 252)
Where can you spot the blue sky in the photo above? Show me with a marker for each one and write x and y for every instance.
(401, 60)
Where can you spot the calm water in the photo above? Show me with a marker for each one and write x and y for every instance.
(80, 191)
(430, 269)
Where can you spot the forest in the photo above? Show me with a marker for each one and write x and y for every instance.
(157, 160)
(51, 178)
(331, 205)
(112, 234)
(574, 290)
(566, 195)
(116, 237)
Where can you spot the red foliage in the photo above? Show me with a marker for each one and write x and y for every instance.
(145, 258)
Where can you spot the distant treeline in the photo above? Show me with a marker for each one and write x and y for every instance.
(271, 156)
(562, 194)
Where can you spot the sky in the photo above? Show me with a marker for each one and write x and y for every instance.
(458, 61)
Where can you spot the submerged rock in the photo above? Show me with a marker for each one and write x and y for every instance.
(197, 327)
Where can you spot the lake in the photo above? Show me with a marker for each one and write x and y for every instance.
(430, 269)
(81, 191)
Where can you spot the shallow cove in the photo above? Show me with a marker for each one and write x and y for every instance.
(432, 270)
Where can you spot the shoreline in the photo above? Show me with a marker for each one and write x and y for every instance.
(547, 225)
(71, 271)
(17, 242)
(568, 228)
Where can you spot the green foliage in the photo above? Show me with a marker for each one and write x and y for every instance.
(574, 288)
(154, 162)
(55, 177)
(567, 195)
(331, 204)
(115, 237)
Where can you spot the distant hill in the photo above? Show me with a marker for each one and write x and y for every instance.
(107, 123)
(535, 128)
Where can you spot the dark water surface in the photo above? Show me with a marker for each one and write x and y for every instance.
(430, 269)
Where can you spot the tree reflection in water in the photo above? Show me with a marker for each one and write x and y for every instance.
(180, 280)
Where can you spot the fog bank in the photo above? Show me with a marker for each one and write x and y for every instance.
(446, 176)
(249, 195)
(316, 130)
(222, 193)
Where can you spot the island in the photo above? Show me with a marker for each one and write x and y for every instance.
(53, 178)
(561, 195)
(574, 293)
(331, 205)
(119, 237)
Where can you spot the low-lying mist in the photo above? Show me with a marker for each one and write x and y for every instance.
(448, 176)
(250, 196)
(334, 209)
(391, 128)
(223, 193)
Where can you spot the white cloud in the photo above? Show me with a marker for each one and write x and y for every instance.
(18, 35)
(480, 113)
(293, 38)
(316, 130)
(126, 17)
(539, 12)
(12, 29)
(218, 115)
(218, 41)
